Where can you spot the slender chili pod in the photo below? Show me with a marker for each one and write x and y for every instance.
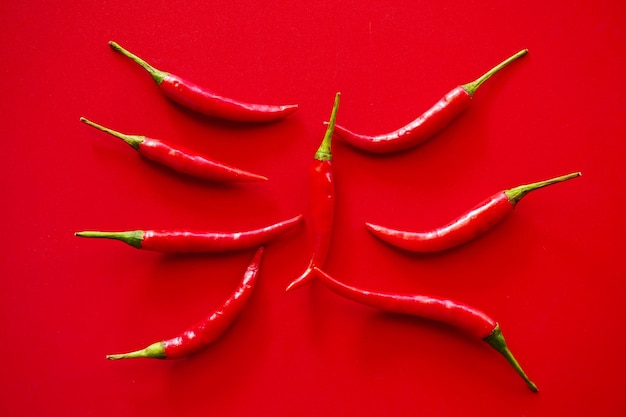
(426, 125)
(208, 330)
(179, 241)
(180, 160)
(471, 320)
(465, 227)
(322, 201)
(205, 101)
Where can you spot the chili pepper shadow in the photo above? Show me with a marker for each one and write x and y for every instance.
(218, 371)
(125, 160)
(195, 182)
(458, 138)
(430, 352)
(173, 260)
(476, 245)
(436, 141)
(229, 124)
(173, 278)
(199, 380)
(494, 248)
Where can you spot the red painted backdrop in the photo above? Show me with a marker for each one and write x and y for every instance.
(552, 274)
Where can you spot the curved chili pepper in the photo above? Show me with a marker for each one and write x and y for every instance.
(179, 159)
(175, 241)
(473, 321)
(206, 331)
(426, 125)
(467, 226)
(205, 101)
(322, 201)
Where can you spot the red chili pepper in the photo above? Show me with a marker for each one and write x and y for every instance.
(473, 321)
(426, 125)
(206, 331)
(179, 159)
(185, 241)
(322, 201)
(207, 102)
(467, 226)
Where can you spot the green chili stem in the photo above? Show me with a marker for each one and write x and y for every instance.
(516, 194)
(156, 74)
(155, 350)
(473, 86)
(496, 341)
(324, 151)
(132, 238)
(132, 140)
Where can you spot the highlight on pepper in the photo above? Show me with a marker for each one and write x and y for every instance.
(208, 330)
(205, 101)
(188, 241)
(428, 124)
(465, 227)
(471, 320)
(322, 194)
(180, 160)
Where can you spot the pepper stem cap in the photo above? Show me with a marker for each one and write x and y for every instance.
(516, 194)
(132, 238)
(155, 350)
(496, 341)
(132, 140)
(473, 86)
(156, 74)
(324, 151)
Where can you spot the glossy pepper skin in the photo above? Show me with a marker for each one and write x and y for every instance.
(179, 159)
(426, 125)
(208, 330)
(473, 321)
(322, 202)
(466, 227)
(183, 241)
(205, 101)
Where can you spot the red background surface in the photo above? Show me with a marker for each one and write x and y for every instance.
(552, 274)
